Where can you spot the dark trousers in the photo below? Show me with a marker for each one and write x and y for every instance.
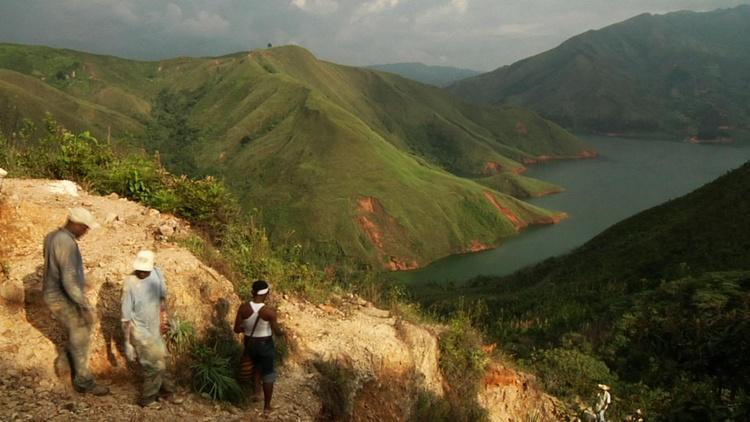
(79, 339)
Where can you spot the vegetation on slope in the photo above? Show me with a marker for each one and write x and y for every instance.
(682, 74)
(658, 304)
(235, 245)
(358, 164)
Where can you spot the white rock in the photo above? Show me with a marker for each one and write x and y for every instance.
(63, 187)
(166, 230)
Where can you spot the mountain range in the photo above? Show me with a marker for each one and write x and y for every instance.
(357, 163)
(677, 75)
(433, 75)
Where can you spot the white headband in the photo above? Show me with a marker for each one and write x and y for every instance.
(262, 292)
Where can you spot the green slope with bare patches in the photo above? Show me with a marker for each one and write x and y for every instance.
(359, 163)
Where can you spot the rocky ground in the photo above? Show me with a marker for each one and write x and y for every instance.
(389, 359)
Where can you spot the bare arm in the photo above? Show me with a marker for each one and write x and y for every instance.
(270, 315)
(244, 312)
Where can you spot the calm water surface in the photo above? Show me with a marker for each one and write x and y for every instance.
(629, 176)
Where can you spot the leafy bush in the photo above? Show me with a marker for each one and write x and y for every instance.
(207, 203)
(462, 363)
(569, 371)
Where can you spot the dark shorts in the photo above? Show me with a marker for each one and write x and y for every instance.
(262, 352)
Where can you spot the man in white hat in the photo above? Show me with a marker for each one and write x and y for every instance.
(63, 289)
(603, 401)
(144, 294)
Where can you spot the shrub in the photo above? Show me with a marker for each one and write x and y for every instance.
(180, 335)
(207, 203)
(463, 365)
(213, 375)
(336, 390)
(569, 371)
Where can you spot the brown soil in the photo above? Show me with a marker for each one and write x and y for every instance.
(391, 358)
(381, 228)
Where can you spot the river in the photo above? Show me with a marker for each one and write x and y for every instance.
(629, 176)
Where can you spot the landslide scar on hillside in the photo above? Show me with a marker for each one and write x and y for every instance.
(380, 227)
(519, 224)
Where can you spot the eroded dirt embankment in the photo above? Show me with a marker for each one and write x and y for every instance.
(390, 359)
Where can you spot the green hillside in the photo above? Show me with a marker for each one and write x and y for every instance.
(681, 74)
(662, 298)
(361, 164)
(433, 75)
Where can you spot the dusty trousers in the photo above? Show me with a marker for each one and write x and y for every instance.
(79, 338)
(152, 355)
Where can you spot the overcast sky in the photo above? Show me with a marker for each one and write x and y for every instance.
(476, 34)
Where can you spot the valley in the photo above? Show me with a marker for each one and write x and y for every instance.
(629, 176)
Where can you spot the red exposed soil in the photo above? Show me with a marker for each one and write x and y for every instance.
(492, 167)
(367, 204)
(551, 220)
(477, 246)
(544, 158)
(517, 223)
(399, 265)
(372, 231)
(521, 128)
(500, 376)
(696, 140)
(371, 213)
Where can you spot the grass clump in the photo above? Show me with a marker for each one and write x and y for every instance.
(213, 374)
(336, 390)
(463, 365)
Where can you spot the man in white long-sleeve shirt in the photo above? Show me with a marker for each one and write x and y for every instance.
(144, 294)
(602, 403)
(63, 286)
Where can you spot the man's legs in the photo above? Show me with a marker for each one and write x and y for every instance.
(267, 395)
(266, 355)
(151, 355)
(77, 347)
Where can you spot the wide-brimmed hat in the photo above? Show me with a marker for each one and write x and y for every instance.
(82, 216)
(603, 386)
(144, 261)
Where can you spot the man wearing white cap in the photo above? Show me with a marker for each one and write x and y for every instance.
(143, 299)
(63, 289)
(604, 399)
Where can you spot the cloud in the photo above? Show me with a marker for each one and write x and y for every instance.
(378, 5)
(202, 23)
(479, 34)
(322, 7)
(460, 5)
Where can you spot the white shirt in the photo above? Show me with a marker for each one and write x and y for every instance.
(263, 329)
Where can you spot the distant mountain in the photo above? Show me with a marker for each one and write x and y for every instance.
(433, 75)
(682, 74)
(358, 163)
